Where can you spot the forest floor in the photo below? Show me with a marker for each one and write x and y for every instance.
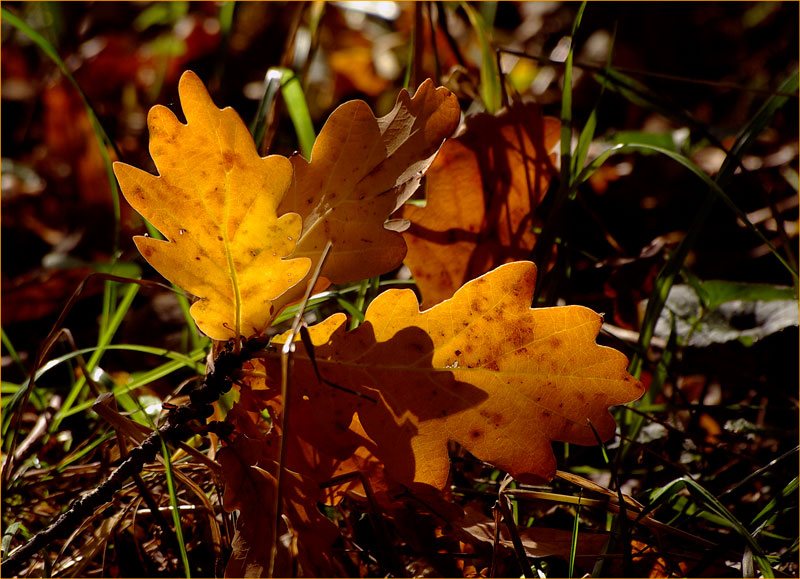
(700, 92)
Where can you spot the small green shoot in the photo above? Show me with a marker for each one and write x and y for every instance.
(491, 90)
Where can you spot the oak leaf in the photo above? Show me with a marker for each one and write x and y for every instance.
(361, 170)
(215, 201)
(482, 192)
(482, 369)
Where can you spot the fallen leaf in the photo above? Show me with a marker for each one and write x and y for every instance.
(747, 320)
(482, 369)
(42, 292)
(538, 541)
(482, 191)
(249, 467)
(362, 169)
(355, 65)
(215, 201)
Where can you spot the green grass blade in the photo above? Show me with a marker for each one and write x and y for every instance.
(490, 89)
(356, 314)
(761, 120)
(176, 514)
(360, 304)
(11, 351)
(189, 361)
(573, 548)
(587, 133)
(102, 346)
(74, 457)
(225, 17)
(145, 378)
(702, 495)
(788, 492)
(567, 176)
(295, 99)
(543, 249)
(291, 311)
(756, 475)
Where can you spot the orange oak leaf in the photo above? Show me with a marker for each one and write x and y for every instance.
(482, 191)
(215, 201)
(482, 369)
(362, 169)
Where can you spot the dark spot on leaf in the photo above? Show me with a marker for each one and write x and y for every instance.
(228, 158)
(458, 352)
(475, 434)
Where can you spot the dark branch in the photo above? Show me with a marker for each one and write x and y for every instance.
(182, 422)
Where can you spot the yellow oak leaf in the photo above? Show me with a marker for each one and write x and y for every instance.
(482, 369)
(361, 170)
(215, 201)
(482, 192)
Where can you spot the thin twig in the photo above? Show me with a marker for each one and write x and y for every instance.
(650, 74)
(286, 354)
(177, 427)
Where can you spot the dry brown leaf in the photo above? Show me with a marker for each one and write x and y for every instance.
(538, 541)
(482, 191)
(249, 466)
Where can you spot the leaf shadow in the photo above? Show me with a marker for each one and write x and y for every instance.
(407, 391)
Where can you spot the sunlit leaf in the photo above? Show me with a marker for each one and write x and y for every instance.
(215, 201)
(482, 369)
